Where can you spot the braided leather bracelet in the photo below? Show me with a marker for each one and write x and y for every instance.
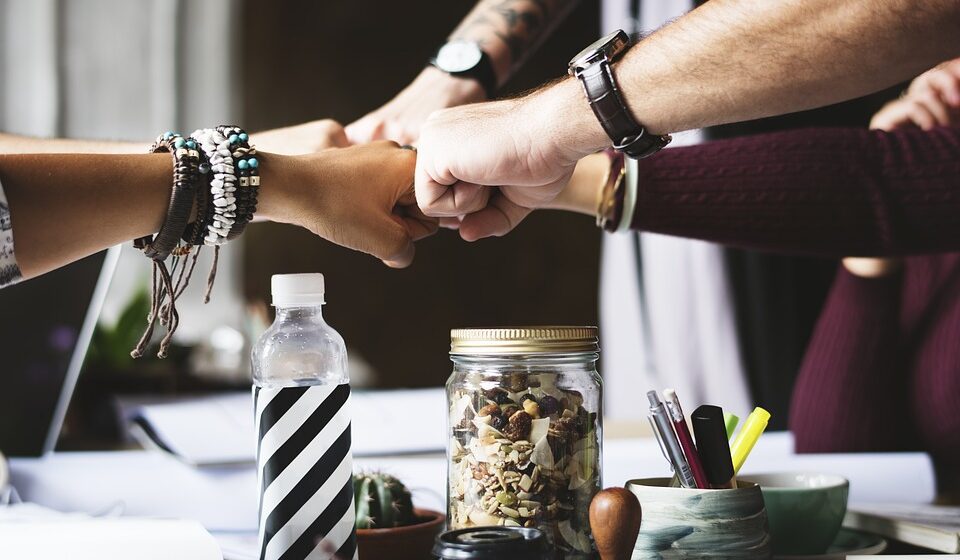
(186, 163)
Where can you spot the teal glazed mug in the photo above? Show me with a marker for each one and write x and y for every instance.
(805, 510)
(693, 523)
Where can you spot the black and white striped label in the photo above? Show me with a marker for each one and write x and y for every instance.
(305, 473)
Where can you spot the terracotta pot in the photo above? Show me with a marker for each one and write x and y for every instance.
(412, 542)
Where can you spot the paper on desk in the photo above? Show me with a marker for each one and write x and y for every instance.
(219, 430)
(30, 532)
(140, 483)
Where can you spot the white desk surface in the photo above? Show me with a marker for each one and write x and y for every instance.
(151, 483)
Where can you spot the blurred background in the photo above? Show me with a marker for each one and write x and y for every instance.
(129, 69)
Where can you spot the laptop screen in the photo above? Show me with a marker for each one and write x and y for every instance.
(40, 327)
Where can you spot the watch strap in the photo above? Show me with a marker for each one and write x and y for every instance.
(482, 72)
(608, 105)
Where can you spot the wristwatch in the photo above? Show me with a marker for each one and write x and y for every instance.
(465, 59)
(594, 68)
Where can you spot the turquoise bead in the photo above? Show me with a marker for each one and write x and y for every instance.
(179, 143)
(168, 134)
(233, 138)
(253, 162)
(244, 137)
(191, 144)
(242, 164)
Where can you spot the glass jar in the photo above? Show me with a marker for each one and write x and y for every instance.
(525, 432)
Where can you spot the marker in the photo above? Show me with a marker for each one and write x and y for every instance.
(714, 446)
(730, 420)
(749, 434)
(670, 443)
(686, 441)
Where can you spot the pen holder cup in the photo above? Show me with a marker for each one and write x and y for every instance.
(693, 523)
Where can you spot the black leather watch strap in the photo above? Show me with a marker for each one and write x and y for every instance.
(604, 97)
(482, 72)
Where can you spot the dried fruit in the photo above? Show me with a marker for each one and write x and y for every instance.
(549, 405)
(497, 395)
(516, 382)
(518, 426)
(499, 422)
(508, 410)
(527, 397)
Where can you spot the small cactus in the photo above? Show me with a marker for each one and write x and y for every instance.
(381, 502)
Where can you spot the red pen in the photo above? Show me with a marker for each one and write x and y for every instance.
(686, 440)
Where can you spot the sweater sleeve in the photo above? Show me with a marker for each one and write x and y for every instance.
(824, 191)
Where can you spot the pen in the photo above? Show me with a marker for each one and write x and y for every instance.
(755, 424)
(730, 420)
(656, 433)
(669, 438)
(713, 445)
(686, 441)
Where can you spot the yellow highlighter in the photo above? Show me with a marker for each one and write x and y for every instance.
(747, 437)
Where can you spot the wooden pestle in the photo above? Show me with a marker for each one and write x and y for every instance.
(615, 523)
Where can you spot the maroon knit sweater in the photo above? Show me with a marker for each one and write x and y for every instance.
(882, 371)
(829, 191)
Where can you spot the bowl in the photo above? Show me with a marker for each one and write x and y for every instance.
(805, 510)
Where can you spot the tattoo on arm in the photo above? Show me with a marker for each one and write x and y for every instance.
(519, 25)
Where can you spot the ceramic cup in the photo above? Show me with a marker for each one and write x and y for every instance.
(4, 473)
(692, 523)
(805, 509)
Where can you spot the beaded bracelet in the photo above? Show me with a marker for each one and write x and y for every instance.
(235, 184)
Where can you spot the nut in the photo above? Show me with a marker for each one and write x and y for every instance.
(506, 498)
(488, 410)
(532, 408)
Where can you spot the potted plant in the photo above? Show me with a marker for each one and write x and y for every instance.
(388, 526)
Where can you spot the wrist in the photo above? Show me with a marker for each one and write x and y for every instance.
(278, 176)
(454, 90)
(564, 119)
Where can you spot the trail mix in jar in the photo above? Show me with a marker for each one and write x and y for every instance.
(524, 453)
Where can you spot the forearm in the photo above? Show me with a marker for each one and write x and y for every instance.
(510, 30)
(18, 144)
(64, 207)
(735, 60)
(830, 192)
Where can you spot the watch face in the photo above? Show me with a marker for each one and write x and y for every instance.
(607, 47)
(458, 56)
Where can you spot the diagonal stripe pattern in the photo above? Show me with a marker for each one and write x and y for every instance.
(304, 473)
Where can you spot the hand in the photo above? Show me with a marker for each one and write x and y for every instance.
(359, 197)
(933, 99)
(518, 145)
(305, 138)
(400, 119)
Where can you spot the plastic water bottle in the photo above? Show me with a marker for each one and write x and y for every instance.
(301, 398)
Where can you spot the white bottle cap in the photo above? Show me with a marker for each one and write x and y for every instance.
(297, 289)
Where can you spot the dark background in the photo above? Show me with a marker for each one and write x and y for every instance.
(314, 60)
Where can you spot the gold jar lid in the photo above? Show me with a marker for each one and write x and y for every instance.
(523, 340)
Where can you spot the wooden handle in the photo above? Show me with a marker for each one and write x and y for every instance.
(615, 523)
